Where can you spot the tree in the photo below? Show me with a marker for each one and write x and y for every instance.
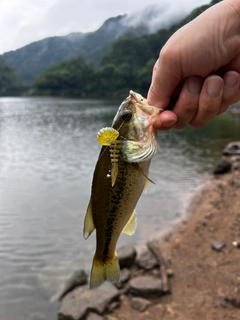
(10, 82)
(72, 77)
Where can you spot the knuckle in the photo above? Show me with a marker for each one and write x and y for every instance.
(198, 124)
(190, 108)
(231, 95)
(168, 54)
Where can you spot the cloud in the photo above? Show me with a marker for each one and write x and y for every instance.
(25, 21)
(156, 16)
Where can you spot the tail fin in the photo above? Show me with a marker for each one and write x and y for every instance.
(104, 271)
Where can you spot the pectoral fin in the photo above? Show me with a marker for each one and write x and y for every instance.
(131, 225)
(148, 179)
(89, 226)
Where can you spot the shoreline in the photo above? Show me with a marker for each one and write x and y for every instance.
(199, 274)
(206, 281)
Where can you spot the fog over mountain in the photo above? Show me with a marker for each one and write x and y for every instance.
(25, 21)
(34, 58)
(156, 16)
(120, 54)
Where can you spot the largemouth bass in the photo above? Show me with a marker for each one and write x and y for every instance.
(120, 176)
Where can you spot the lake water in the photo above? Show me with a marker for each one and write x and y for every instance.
(48, 150)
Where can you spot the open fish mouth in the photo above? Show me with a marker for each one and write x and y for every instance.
(143, 109)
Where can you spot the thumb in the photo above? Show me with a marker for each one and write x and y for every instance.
(165, 79)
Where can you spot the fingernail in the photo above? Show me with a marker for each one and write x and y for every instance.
(231, 79)
(214, 86)
(169, 122)
(194, 84)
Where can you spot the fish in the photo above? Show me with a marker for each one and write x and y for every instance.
(119, 178)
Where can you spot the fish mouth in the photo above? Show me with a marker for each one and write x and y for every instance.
(139, 107)
(143, 109)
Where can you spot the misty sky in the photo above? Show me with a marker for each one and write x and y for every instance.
(25, 21)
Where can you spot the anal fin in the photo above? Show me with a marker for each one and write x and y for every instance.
(131, 225)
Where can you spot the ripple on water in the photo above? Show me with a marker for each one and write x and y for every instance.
(47, 155)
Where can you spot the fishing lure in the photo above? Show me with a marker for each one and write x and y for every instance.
(108, 137)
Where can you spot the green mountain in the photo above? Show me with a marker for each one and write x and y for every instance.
(10, 81)
(127, 65)
(33, 59)
(71, 78)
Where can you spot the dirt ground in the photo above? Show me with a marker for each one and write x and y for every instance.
(205, 283)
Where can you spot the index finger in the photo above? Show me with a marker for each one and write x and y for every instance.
(165, 79)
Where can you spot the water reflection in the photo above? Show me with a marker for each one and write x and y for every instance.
(48, 150)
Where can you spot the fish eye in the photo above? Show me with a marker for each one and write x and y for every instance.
(126, 115)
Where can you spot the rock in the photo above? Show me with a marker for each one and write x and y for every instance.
(233, 148)
(126, 256)
(125, 276)
(234, 302)
(110, 317)
(145, 286)
(234, 108)
(140, 304)
(147, 260)
(235, 159)
(236, 243)
(94, 316)
(222, 167)
(114, 305)
(170, 272)
(76, 304)
(235, 182)
(79, 278)
(236, 166)
(218, 245)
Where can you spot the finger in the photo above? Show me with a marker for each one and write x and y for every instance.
(166, 120)
(187, 104)
(209, 102)
(165, 79)
(234, 65)
(231, 90)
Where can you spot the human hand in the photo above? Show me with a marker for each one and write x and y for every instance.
(197, 75)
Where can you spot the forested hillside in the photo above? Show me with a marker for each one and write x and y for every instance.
(35, 58)
(10, 82)
(69, 78)
(128, 65)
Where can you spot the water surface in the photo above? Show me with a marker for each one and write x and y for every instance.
(48, 150)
